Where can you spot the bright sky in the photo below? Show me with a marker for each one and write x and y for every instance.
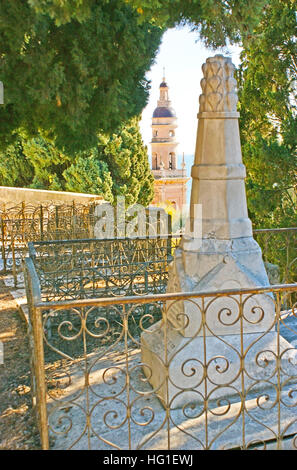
(182, 58)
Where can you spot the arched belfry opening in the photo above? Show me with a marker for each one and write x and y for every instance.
(172, 161)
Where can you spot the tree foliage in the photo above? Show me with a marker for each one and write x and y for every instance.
(15, 168)
(127, 159)
(268, 99)
(89, 174)
(74, 72)
(216, 20)
(117, 166)
(72, 69)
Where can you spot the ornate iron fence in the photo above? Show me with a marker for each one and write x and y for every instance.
(23, 223)
(117, 373)
(99, 268)
(26, 223)
(279, 248)
(135, 266)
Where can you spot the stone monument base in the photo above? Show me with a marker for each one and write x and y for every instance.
(219, 265)
(213, 367)
(256, 426)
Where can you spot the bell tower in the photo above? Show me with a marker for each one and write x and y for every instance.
(170, 182)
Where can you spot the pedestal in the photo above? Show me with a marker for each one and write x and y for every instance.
(185, 371)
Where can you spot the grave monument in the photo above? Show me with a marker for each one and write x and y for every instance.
(203, 359)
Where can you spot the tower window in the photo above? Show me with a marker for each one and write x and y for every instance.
(154, 161)
(171, 161)
(171, 133)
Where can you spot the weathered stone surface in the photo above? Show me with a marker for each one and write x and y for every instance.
(273, 272)
(215, 271)
(224, 425)
(12, 196)
(228, 427)
(218, 172)
(225, 257)
(208, 368)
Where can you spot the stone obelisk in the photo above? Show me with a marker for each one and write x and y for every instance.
(225, 257)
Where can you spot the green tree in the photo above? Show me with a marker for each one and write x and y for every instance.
(71, 79)
(127, 159)
(268, 98)
(119, 163)
(215, 20)
(89, 174)
(116, 166)
(15, 168)
(74, 68)
(48, 163)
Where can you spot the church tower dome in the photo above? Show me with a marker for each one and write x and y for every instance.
(164, 109)
(163, 138)
(169, 181)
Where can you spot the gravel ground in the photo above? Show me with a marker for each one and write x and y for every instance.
(18, 426)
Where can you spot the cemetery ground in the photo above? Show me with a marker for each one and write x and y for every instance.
(18, 424)
(18, 427)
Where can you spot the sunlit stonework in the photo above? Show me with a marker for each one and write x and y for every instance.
(227, 257)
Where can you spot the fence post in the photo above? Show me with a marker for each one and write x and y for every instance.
(72, 220)
(14, 268)
(91, 220)
(41, 221)
(287, 275)
(35, 317)
(23, 220)
(169, 239)
(3, 244)
(57, 218)
(40, 377)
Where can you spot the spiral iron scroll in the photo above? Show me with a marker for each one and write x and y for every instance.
(103, 393)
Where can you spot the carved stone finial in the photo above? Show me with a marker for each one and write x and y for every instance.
(219, 92)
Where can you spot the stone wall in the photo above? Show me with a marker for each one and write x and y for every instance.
(11, 196)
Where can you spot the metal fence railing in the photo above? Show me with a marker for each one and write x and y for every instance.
(27, 223)
(120, 373)
(279, 248)
(101, 268)
(136, 266)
